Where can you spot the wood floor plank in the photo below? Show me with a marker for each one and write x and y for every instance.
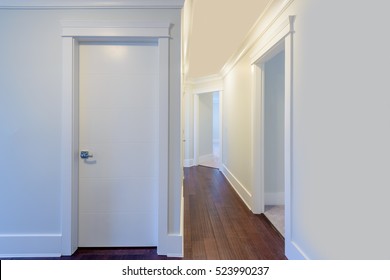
(221, 237)
(237, 232)
(211, 248)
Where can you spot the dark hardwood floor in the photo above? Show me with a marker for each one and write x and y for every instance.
(109, 253)
(217, 226)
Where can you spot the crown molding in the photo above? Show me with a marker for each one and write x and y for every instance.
(91, 4)
(187, 24)
(205, 79)
(265, 22)
(121, 28)
(206, 84)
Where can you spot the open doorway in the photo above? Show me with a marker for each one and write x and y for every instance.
(274, 92)
(281, 42)
(207, 130)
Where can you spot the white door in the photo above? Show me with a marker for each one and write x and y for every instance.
(118, 193)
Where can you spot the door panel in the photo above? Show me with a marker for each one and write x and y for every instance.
(118, 125)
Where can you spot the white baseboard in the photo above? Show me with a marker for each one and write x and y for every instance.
(293, 252)
(276, 198)
(181, 222)
(237, 186)
(206, 158)
(188, 163)
(172, 246)
(30, 245)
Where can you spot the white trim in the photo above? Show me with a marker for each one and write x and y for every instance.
(266, 49)
(176, 249)
(30, 245)
(171, 245)
(120, 29)
(182, 216)
(70, 151)
(266, 20)
(175, 255)
(240, 189)
(163, 144)
(69, 148)
(206, 84)
(91, 4)
(292, 250)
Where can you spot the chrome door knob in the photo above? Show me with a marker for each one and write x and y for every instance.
(85, 154)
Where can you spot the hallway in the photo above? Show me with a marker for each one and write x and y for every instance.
(218, 225)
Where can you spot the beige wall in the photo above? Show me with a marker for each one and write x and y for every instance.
(236, 131)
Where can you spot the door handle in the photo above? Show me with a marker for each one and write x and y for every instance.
(85, 154)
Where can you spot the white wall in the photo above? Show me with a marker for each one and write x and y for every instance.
(274, 130)
(340, 129)
(340, 136)
(30, 122)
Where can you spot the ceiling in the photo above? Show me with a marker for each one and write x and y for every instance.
(214, 30)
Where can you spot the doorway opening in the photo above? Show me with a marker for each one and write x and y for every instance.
(280, 39)
(274, 91)
(207, 129)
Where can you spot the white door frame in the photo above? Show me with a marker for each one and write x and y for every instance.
(196, 126)
(281, 38)
(74, 32)
(258, 203)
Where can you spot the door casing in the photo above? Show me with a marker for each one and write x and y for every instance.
(74, 32)
(278, 37)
